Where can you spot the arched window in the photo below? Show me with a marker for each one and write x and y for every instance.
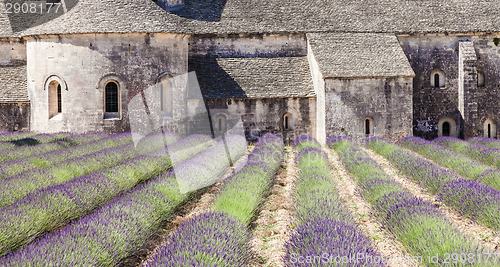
(287, 121)
(490, 129)
(166, 101)
(55, 99)
(438, 78)
(447, 126)
(480, 79)
(111, 100)
(368, 125)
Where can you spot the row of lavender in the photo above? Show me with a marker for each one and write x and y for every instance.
(489, 142)
(17, 149)
(417, 224)
(486, 155)
(471, 199)
(454, 161)
(49, 208)
(121, 229)
(36, 139)
(325, 233)
(220, 238)
(48, 159)
(119, 150)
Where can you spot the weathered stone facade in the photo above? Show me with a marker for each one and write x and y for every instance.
(385, 102)
(421, 71)
(460, 95)
(83, 63)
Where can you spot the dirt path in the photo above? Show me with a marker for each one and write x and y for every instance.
(272, 229)
(204, 204)
(385, 243)
(485, 236)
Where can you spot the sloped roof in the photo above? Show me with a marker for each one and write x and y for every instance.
(346, 55)
(13, 23)
(111, 16)
(14, 84)
(274, 16)
(253, 77)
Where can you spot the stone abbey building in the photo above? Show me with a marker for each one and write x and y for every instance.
(389, 68)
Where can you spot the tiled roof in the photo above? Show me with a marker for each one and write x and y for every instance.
(14, 84)
(347, 55)
(274, 16)
(253, 77)
(13, 21)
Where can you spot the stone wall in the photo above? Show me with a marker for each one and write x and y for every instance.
(245, 45)
(261, 116)
(15, 116)
(431, 104)
(12, 51)
(386, 102)
(83, 63)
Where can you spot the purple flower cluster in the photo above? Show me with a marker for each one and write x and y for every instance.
(325, 227)
(452, 160)
(416, 223)
(327, 242)
(221, 238)
(334, 139)
(209, 239)
(52, 207)
(478, 202)
(486, 155)
(468, 197)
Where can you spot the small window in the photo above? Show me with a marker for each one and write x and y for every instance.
(55, 99)
(446, 128)
(480, 78)
(287, 121)
(368, 126)
(438, 78)
(221, 124)
(166, 95)
(490, 129)
(111, 100)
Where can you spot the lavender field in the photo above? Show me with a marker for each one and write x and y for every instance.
(106, 200)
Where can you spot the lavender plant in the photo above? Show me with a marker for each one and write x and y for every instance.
(468, 199)
(209, 239)
(122, 227)
(220, 238)
(325, 231)
(452, 160)
(420, 227)
(486, 155)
